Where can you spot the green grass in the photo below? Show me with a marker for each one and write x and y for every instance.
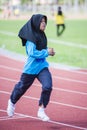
(76, 32)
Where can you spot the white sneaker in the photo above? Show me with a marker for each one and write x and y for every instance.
(10, 108)
(42, 115)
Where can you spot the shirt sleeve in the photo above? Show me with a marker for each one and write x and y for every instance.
(33, 52)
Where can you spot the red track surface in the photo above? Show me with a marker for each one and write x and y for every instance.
(67, 108)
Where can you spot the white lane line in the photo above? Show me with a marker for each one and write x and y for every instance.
(5, 32)
(55, 88)
(20, 70)
(19, 57)
(8, 33)
(10, 68)
(10, 118)
(56, 77)
(1, 117)
(50, 121)
(53, 102)
(67, 43)
(70, 91)
(71, 80)
(71, 69)
(65, 90)
(68, 125)
(12, 80)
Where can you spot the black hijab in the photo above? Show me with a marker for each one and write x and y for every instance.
(31, 31)
(59, 11)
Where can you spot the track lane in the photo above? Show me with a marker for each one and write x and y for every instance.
(61, 109)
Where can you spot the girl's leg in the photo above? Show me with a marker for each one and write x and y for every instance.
(21, 87)
(63, 28)
(57, 26)
(46, 80)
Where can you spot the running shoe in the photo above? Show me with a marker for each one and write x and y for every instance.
(42, 115)
(10, 108)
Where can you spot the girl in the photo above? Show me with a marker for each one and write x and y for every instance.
(35, 41)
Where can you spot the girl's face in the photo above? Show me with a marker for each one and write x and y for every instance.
(42, 24)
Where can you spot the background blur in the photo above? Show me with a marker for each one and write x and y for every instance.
(70, 47)
(11, 8)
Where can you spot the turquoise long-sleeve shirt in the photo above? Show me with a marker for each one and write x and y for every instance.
(36, 60)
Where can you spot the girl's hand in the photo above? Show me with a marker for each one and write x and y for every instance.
(51, 51)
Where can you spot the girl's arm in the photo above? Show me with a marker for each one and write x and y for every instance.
(33, 52)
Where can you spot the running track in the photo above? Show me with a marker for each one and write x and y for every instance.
(67, 108)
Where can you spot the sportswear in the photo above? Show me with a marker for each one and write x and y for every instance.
(59, 19)
(36, 60)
